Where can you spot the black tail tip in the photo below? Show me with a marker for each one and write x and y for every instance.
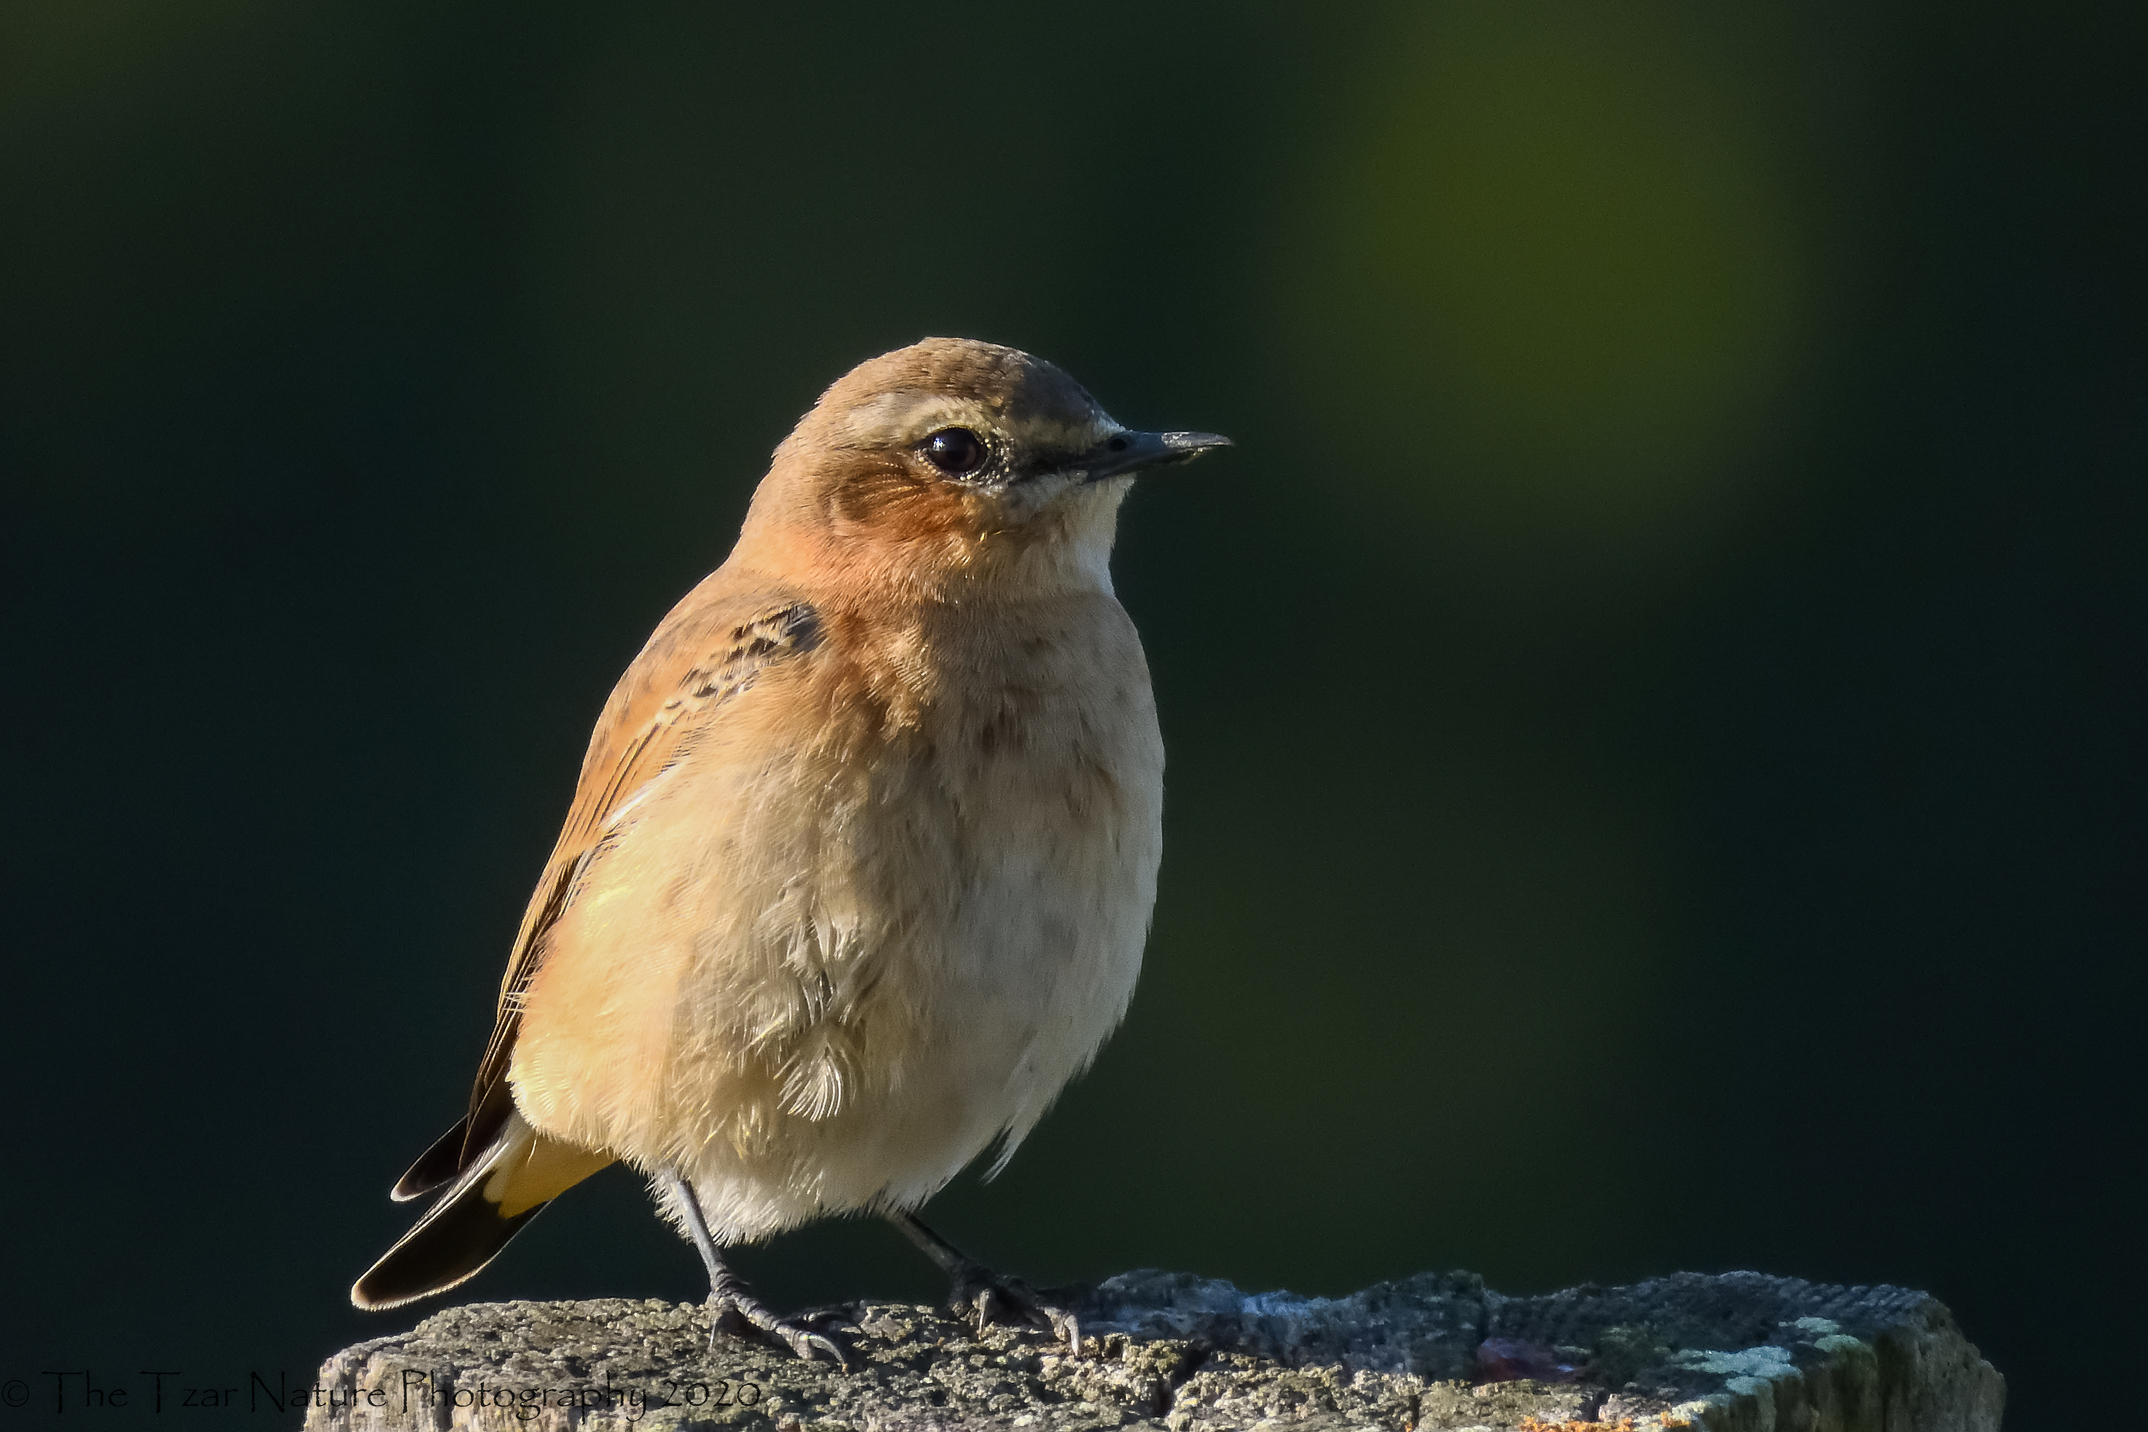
(437, 1167)
(450, 1245)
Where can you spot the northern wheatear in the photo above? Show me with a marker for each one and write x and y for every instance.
(861, 862)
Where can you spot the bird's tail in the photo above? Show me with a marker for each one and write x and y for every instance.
(503, 1188)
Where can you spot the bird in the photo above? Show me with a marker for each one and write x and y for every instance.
(860, 865)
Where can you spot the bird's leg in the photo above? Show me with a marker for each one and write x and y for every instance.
(974, 1288)
(728, 1294)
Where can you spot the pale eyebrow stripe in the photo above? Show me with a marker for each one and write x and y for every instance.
(909, 414)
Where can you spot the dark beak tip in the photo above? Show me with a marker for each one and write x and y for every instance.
(1129, 452)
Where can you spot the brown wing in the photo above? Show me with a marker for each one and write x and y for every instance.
(698, 660)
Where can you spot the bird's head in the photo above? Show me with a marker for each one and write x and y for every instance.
(953, 462)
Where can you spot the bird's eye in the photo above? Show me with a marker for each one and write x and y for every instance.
(958, 452)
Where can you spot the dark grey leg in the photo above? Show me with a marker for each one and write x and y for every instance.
(975, 1288)
(727, 1293)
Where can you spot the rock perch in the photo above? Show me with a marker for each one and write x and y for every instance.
(1732, 1353)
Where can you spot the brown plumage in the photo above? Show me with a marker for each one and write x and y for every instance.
(860, 864)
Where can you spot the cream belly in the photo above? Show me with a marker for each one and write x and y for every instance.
(828, 980)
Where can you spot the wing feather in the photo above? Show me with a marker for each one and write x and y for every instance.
(696, 663)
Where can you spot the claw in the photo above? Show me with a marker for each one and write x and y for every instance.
(805, 1344)
(984, 1294)
(976, 1288)
(727, 1294)
(802, 1341)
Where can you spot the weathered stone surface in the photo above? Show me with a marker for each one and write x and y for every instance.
(1735, 1353)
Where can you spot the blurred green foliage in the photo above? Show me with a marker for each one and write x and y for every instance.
(1547, 271)
(1643, 786)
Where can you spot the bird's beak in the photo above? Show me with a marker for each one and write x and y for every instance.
(1123, 452)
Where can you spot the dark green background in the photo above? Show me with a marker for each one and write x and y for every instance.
(1654, 698)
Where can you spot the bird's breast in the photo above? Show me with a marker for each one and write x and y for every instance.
(890, 904)
(1015, 781)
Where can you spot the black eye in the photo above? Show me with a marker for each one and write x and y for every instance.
(957, 452)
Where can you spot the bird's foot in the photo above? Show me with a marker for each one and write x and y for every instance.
(736, 1302)
(984, 1294)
